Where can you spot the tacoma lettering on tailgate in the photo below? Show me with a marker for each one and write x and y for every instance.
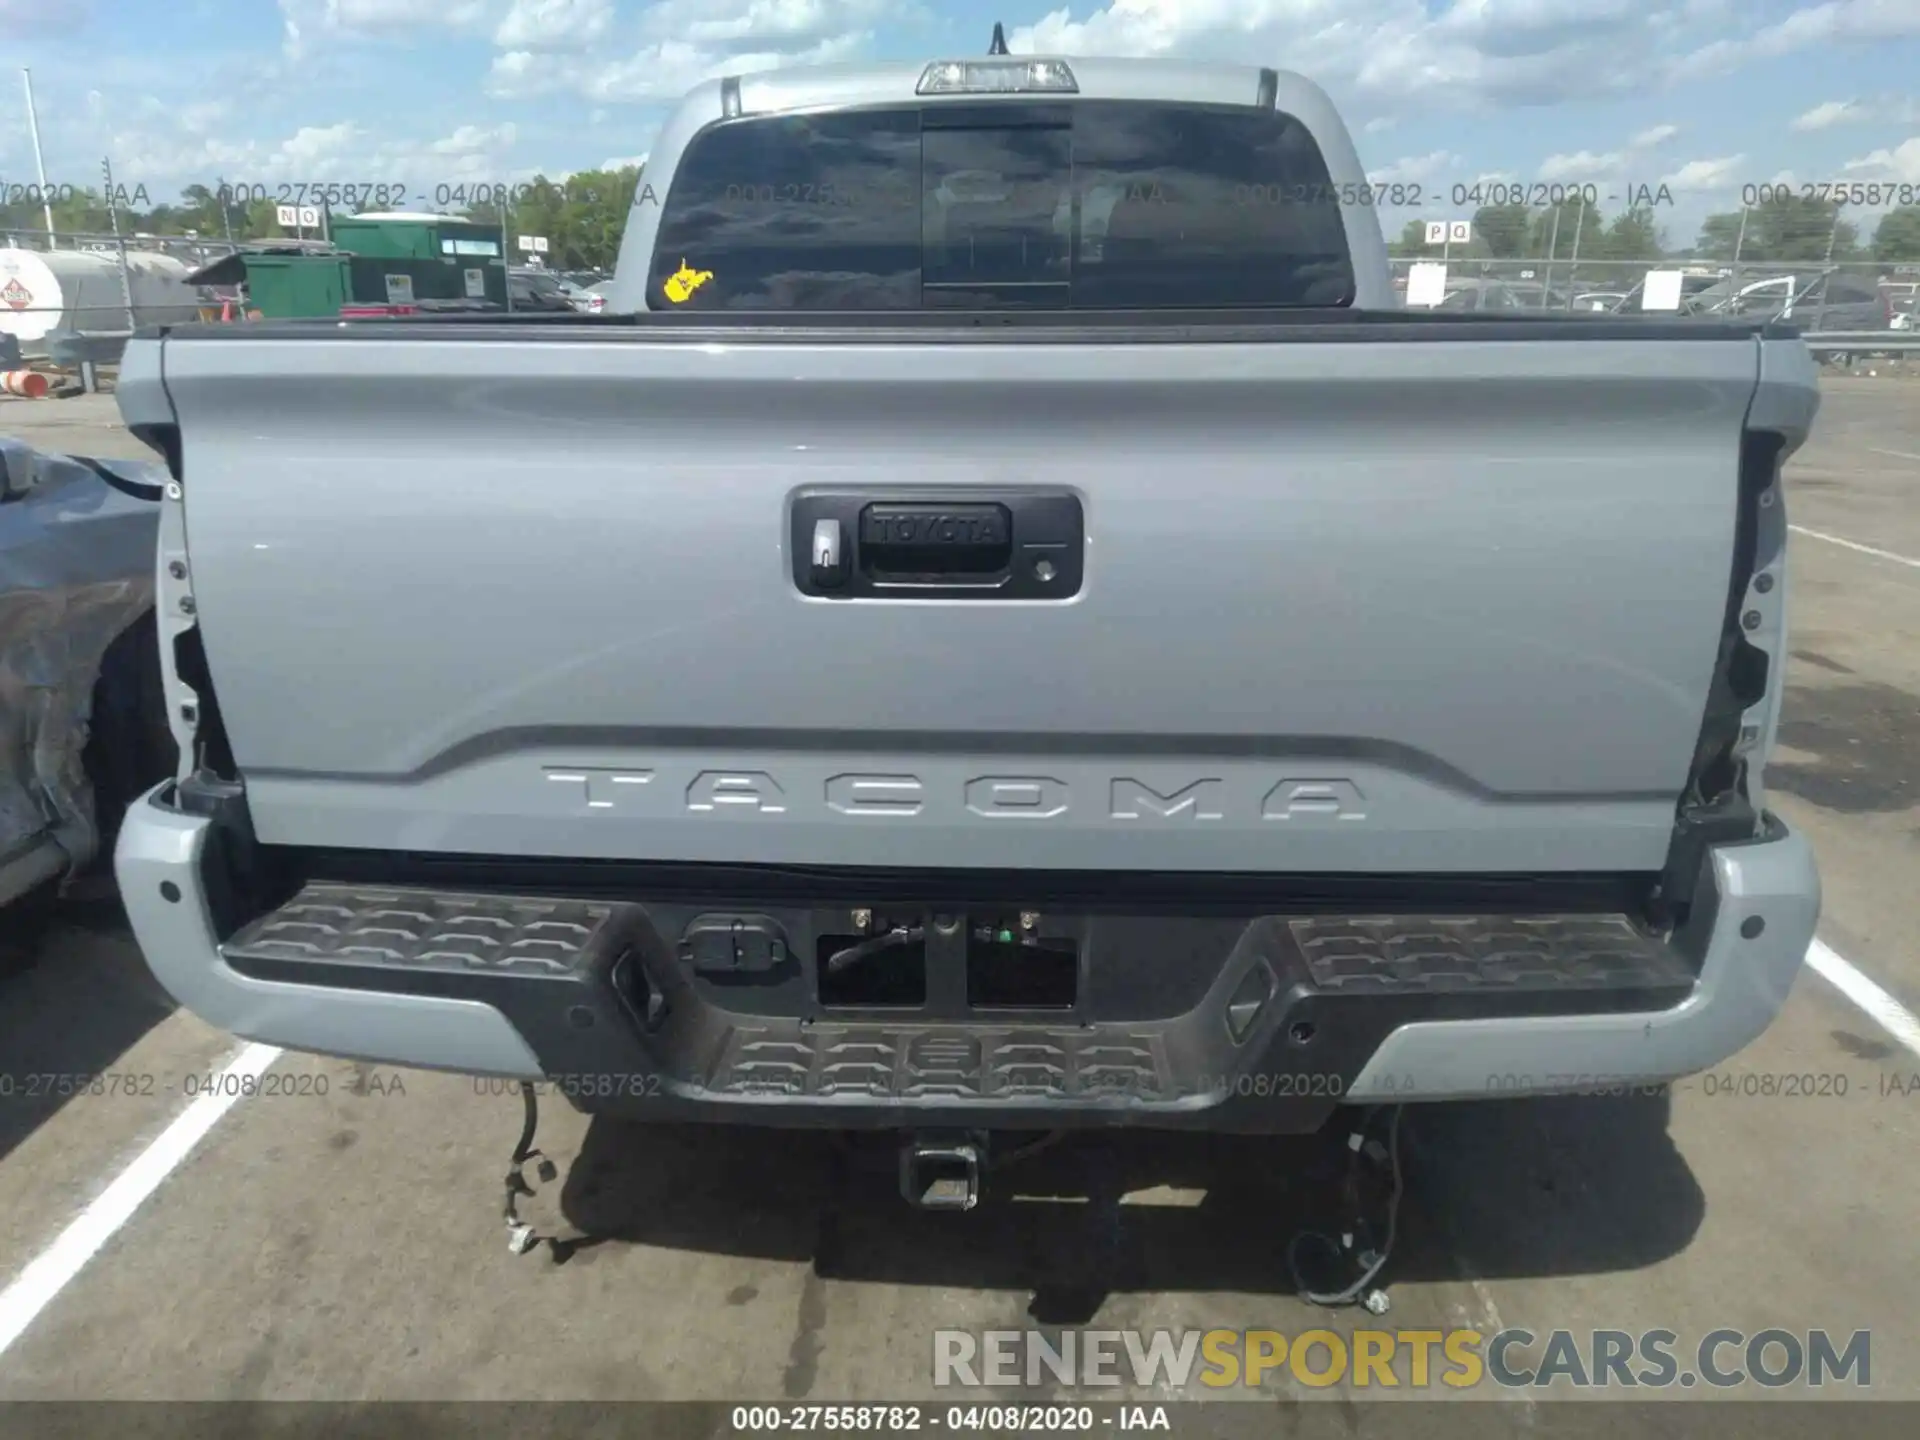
(992, 797)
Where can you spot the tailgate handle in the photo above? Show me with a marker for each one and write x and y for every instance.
(961, 542)
(914, 539)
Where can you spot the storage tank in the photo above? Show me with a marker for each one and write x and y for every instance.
(44, 291)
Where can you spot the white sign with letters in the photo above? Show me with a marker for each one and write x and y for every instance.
(1436, 232)
(1459, 232)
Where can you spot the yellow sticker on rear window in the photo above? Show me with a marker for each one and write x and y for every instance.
(683, 282)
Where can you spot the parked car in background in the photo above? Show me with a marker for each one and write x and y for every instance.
(577, 285)
(1828, 300)
(537, 290)
(83, 718)
(583, 297)
(1600, 302)
(1832, 299)
(576, 295)
(1630, 302)
(1841, 300)
(1498, 295)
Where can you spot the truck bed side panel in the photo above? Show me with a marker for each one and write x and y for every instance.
(1423, 606)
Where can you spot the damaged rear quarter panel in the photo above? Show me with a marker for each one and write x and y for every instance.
(76, 568)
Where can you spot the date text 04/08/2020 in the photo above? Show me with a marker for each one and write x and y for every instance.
(1747, 1084)
(64, 1085)
(352, 195)
(961, 1419)
(344, 195)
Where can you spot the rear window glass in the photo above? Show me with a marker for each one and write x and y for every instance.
(1092, 205)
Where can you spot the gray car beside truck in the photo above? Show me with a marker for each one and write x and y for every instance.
(82, 716)
(1002, 624)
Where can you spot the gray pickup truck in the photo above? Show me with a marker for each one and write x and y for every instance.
(1001, 625)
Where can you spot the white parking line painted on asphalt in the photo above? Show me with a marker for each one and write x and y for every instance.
(37, 1285)
(1896, 454)
(1855, 545)
(1896, 1019)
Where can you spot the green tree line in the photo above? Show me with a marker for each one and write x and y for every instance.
(582, 216)
(1781, 229)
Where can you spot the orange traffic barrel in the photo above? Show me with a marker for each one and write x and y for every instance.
(30, 383)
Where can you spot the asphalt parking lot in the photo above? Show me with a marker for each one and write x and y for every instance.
(348, 1245)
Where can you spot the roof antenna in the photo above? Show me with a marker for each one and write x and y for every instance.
(998, 45)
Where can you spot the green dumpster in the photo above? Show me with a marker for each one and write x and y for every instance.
(290, 287)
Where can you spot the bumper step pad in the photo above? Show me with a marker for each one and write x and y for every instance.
(1407, 953)
(910, 1062)
(431, 930)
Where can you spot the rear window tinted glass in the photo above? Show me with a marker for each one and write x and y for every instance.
(1091, 205)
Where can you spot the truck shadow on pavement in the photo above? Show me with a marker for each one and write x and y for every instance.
(1494, 1190)
(75, 995)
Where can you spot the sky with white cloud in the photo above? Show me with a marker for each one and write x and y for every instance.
(1705, 96)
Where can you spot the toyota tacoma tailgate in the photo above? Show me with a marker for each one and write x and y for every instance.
(1001, 618)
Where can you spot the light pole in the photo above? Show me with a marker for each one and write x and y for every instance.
(1553, 248)
(39, 160)
(1573, 273)
(119, 245)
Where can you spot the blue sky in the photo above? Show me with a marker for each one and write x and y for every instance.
(1704, 95)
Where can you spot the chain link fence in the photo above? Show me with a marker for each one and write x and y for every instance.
(195, 250)
(1816, 295)
(74, 294)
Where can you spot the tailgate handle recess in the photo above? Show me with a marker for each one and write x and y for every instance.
(919, 540)
(929, 542)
